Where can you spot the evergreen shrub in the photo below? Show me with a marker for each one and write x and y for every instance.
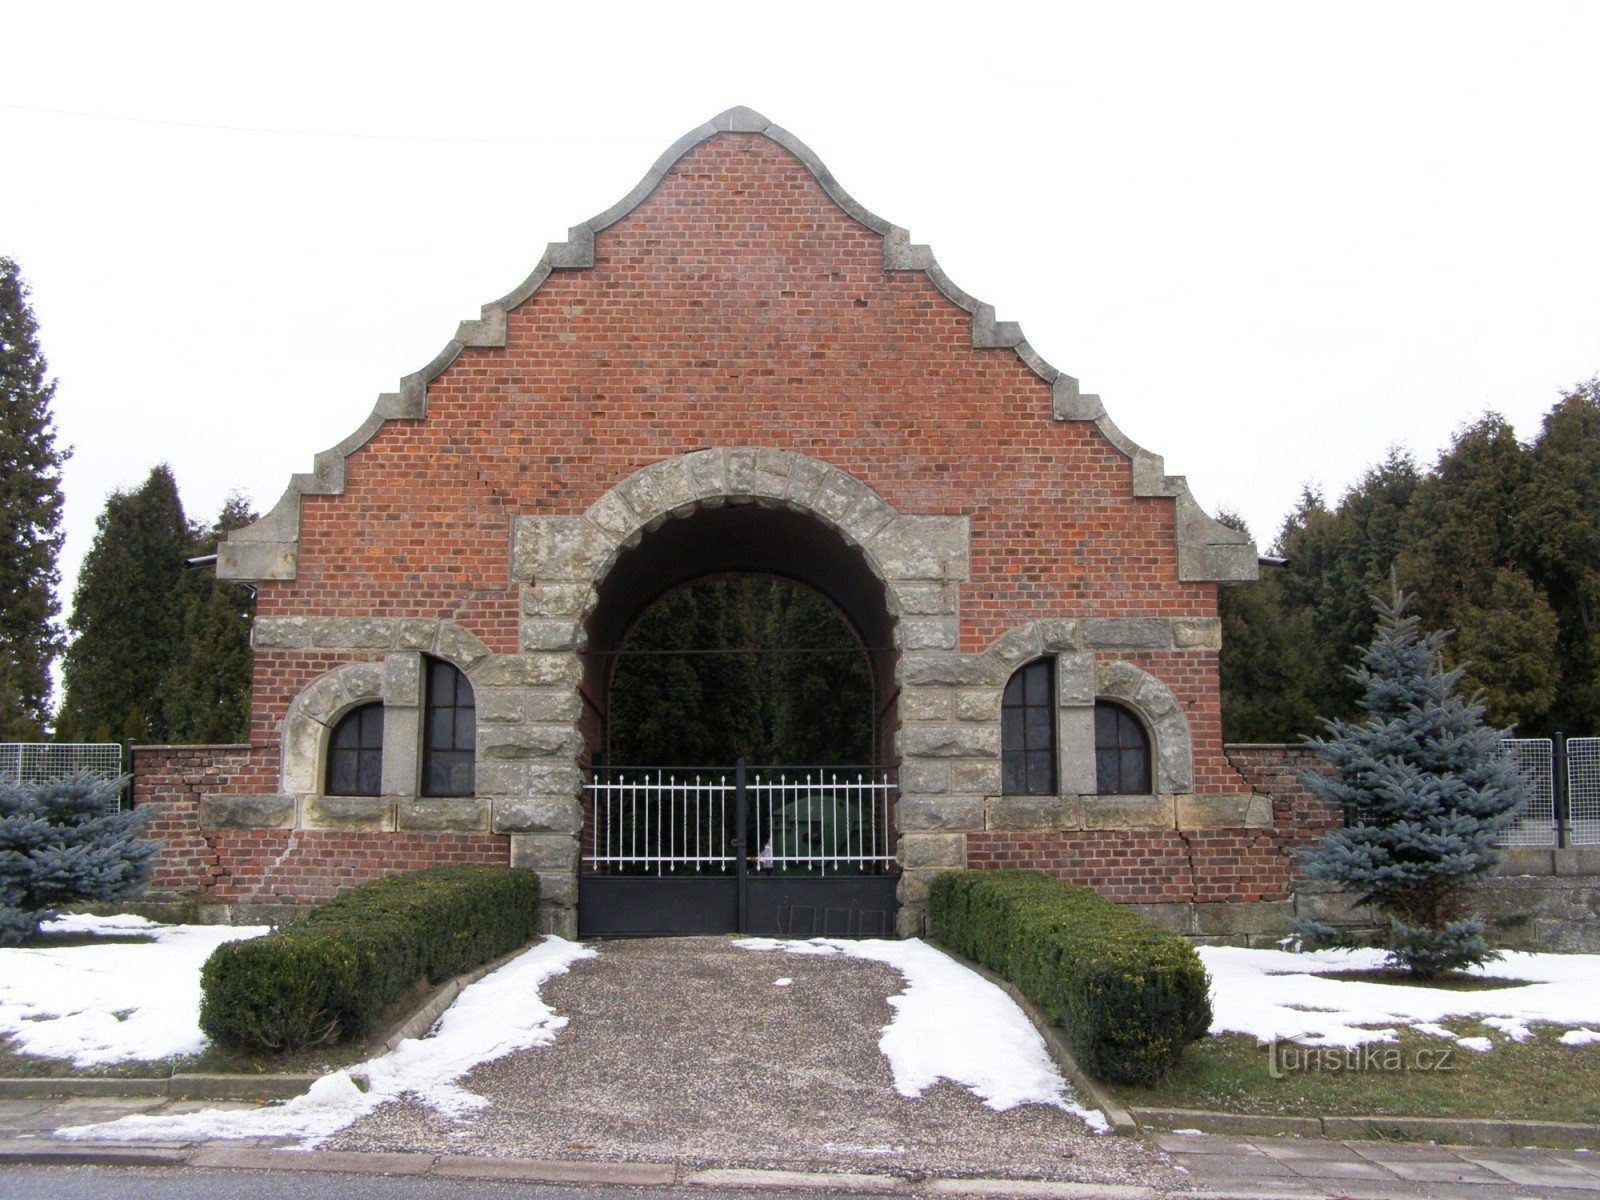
(64, 841)
(329, 975)
(1128, 995)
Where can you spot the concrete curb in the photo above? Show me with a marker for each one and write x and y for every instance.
(1087, 1087)
(1464, 1131)
(552, 1171)
(191, 1086)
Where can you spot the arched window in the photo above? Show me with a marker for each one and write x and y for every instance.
(449, 732)
(1121, 751)
(1028, 731)
(355, 753)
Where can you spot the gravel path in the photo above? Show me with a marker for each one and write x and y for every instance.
(683, 1050)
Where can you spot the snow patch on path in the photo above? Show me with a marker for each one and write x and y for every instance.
(99, 1004)
(951, 1023)
(500, 1014)
(1271, 994)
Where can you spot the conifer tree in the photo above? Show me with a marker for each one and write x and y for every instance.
(30, 517)
(62, 841)
(125, 622)
(1561, 528)
(1264, 661)
(205, 696)
(1425, 790)
(1465, 564)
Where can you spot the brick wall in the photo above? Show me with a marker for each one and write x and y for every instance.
(1172, 866)
(268, 866)
(1298, 817)
(1147, 866)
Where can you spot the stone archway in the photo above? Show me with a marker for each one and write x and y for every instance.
(740, 507)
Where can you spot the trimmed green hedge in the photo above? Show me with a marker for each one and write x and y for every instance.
(329, 976)
(1128, 995)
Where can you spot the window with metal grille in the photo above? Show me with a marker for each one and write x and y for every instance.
(1028, 731)
(355, 753)
(1121, 752)
(450, 729)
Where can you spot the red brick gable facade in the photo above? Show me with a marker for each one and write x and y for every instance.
(736, 332)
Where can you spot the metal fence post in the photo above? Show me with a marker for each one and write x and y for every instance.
(740, 829)
(1558, 780)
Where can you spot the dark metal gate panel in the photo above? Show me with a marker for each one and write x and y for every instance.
(645, 906)
(795, 851)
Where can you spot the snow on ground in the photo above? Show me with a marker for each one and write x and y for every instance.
(496, 1016)
(951, 1023)
(1272, 994)
(98, 1004)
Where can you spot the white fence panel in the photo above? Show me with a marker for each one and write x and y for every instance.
(1583, 791)
(1535, 759)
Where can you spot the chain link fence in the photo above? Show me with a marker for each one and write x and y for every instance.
(1563, 778)
(1583, 791)
(36, 762)
(1536, 825)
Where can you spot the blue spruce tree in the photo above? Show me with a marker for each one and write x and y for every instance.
(1425, 790)
(63, 841)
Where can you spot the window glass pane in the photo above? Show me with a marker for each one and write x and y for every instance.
(466, 726)
(1037, 729)
(370, 774)
(1105, 770)
(342, 773)
(437, 775)
(1011, 722)
(1037, 683)
(461, 775)
(1105, 725)
(441, 683)
(1013, 777)
(440, 731)
(371, 732)
(1135, 773)
(1014, 690)
(347, 732)
(1129, 732)
(1039, 773)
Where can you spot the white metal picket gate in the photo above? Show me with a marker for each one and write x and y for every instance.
(769, 849)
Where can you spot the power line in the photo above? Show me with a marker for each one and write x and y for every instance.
(315, 133)
(736, 650)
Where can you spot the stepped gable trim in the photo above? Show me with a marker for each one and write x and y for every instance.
(269, 549)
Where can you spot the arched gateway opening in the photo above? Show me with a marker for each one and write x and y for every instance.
(748, 843)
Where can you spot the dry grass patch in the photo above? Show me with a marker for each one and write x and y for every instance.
(1537, 1080)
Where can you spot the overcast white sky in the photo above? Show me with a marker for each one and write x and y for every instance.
(1276, 238)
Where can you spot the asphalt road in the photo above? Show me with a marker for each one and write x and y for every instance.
(177, 1183)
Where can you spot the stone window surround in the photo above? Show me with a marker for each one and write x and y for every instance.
(395, 681)
(1081, 681)
(393, 676)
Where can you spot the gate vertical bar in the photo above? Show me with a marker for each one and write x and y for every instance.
(1558, 784)
(740, 828)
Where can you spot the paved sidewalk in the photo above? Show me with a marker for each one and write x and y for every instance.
(1314, 1167)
